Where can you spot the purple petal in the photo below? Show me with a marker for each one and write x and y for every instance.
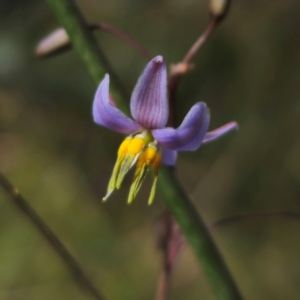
(149, 102)
(212, 135)
(106, 114)
(190, 134)
(169, 157)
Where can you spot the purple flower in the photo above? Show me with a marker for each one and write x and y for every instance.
(149, 142)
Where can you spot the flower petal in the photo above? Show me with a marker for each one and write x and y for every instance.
(108, 115)
(212, 135)
(190, 134)
(149, 102)
(169, 157)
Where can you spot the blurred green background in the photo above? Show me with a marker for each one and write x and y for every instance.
(249, 71)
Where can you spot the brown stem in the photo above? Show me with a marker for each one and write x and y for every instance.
(164, 235)
(125, 37)
(201, 40)
(252, 215)
(170, 242)
(172, 86)
(73, 266)
(162, 286)
(182, 68)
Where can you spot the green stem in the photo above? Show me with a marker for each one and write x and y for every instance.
(85, 45)
(175, 198)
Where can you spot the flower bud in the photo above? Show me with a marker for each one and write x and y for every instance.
(218, 8)
(179, 69)
(55, 42)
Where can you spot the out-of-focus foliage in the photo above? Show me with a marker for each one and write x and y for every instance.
(49, 147)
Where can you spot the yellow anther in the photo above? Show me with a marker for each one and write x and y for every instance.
(141, 150)
(157, 162)
(150, 155)
(147, 157)
(135, 146)
(124, 146)
(140, 161)
(132, 152)
(121, 155)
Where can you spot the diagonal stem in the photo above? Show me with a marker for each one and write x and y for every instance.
(200, 41)
(73, 266)
(254, 215)
(161, 293)
(170, 243)
(84, 43)
(179, 72)
(125, 37)
(175, 198)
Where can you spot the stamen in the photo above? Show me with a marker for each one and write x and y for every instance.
(140, 150)
(134, 149)
(149, 157)
(134, 161)
(124, 169)
(155, 165)
(123, 147)
(153, 189)
(121, 155)
(138, 179)
(107, 195)
(136, 145)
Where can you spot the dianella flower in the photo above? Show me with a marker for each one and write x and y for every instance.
(149, 143)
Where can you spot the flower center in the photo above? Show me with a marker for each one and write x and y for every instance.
(142, 150)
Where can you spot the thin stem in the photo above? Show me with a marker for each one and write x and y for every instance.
(201, 40)
(172, 87)
(85, 44)
(169, 242)
(70, 262)
(182, 68)
(162, 288)
(124, 36)
(254, 215)
(176, 200)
